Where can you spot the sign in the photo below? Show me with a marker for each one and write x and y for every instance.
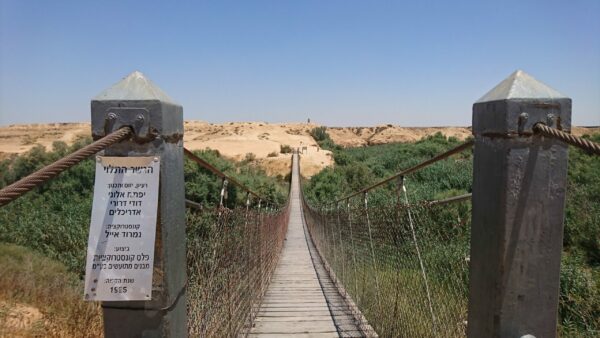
(120, 254)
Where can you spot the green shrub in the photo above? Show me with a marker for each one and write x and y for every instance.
(30, 279)
(54, 218)
(285, 149)
(319, 133)
(322, 138)
(250, 157)
(579, 308)
(355, 168)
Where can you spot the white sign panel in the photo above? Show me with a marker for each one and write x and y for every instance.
(120, 252)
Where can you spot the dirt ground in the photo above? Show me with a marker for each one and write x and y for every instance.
(264, 140)
(237, 139)
(17, 318)
(363, 136)
(233, 140)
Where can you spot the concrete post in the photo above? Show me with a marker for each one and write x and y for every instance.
(158, 125)
(519, 182)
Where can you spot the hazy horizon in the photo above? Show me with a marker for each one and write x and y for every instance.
(339, 63)
(287, 122)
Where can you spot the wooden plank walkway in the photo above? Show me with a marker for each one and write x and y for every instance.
(295, 304)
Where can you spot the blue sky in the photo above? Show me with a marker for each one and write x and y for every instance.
(341, 63)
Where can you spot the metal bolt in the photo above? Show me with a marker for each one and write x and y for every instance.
(112, 116)
(550, 119)
(140, 117)
(523, 116)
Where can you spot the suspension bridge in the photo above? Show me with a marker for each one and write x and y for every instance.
(299, 301)
(372, 263)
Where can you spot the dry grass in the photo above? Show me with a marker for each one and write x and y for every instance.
(40, 298)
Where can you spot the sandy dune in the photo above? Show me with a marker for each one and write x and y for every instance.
(18, 138)
(237, 139)
(233, 140)
(362, 136)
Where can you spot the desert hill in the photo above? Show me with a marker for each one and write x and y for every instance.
(237, 139)
(363, 136)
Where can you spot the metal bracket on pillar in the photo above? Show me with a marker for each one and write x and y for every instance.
(136, 118)
(519, 183)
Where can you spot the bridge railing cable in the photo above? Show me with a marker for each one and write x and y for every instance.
(424, 164)
(576, 141)
(19, 188)
(402, 261)
(226, 178)
(231, 255)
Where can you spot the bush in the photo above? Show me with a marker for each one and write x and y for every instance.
(285, 149)
(358, 167)
(250, 157)
(322, 137)
(319, 133)
(29, 279)
(273, 154)
(54, 218)
(579, 308)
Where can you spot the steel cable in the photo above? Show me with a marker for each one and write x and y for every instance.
(401, 262)
(220, 174)
(422, 165)
(416, 268)
(422, 266)
(232, 254)
(378, 290)
(19, 188)
(579, 142)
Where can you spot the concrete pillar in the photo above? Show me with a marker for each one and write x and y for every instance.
(158, 125)
(519, 182)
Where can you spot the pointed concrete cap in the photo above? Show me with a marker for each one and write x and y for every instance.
(520, 85)
(516, 104)
(137, 102)
(134, 87)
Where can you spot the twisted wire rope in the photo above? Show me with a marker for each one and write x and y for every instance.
(19, 188)
(372, 247)
(458, 149)
(579, 142)
(401, 262)
(418, 251)
(232, 254)
(222, 175)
